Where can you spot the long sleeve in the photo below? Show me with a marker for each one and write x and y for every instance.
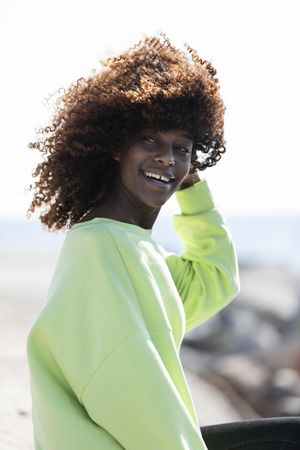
(134, 398)
(206, 272)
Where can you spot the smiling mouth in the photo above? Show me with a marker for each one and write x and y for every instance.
(159, 178)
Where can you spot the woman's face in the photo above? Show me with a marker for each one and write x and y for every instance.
(155, 164)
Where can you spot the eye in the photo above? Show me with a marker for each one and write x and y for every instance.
(183, 149)
(150, 139)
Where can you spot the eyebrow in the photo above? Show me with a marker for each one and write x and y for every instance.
(188, 136)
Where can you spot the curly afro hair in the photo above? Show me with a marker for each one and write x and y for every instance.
(151, 85)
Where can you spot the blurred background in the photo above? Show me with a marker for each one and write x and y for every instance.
(245, 362)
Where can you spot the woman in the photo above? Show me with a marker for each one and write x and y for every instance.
(104, 351)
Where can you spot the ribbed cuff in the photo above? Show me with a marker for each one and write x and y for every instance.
(195, 199)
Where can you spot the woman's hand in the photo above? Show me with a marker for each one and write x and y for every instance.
(191, 178)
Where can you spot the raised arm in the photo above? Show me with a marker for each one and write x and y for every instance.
(206, 272)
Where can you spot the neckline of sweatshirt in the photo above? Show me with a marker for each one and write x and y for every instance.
(186, 202)
(147, 232)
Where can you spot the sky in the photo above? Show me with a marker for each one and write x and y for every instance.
(254, 45)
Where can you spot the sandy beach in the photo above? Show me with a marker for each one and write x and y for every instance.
(24, 281)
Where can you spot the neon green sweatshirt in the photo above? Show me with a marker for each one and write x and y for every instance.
(104, 352)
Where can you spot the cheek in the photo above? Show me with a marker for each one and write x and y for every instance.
(186, 169)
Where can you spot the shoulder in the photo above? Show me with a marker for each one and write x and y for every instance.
(87, 241)
(89, 232)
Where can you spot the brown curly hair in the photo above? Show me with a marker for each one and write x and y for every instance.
(151, 85)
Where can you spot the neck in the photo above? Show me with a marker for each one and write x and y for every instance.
(119, 204)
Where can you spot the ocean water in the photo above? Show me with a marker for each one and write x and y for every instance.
(259, 239)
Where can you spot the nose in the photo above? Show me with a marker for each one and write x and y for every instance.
(165, 157)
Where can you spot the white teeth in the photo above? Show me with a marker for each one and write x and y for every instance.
(157, 177)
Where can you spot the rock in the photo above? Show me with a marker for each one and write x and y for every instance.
(212, 405)
(272, 291)
(289, 406)
(287, 379)
(247, 374)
